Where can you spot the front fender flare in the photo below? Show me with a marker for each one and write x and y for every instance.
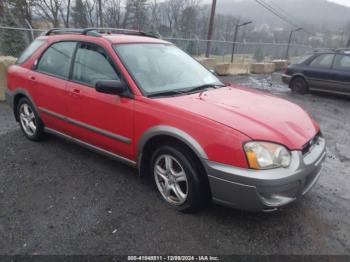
(163, 130)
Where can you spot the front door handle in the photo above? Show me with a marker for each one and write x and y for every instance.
(75, 92)
(32, 78)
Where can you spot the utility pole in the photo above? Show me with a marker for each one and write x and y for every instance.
(100, 12)
(68, 13)
(290, 40)
(235, 38)
(211, 25)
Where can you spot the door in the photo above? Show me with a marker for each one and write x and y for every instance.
(49, 83)
(341, 76)
(101, 120)
(320, 73)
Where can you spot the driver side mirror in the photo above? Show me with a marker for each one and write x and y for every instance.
(112, 87)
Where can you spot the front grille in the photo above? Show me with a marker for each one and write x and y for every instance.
(309, 145)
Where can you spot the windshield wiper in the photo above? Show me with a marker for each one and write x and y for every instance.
(166, 93)
(203, 87)
(173, 92)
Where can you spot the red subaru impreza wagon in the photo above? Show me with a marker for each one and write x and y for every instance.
(145, 102)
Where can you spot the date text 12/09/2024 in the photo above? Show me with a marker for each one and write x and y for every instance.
(173, 258)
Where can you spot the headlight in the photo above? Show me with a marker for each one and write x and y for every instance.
(264, 155)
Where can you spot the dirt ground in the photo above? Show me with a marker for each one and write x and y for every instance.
(59, 198)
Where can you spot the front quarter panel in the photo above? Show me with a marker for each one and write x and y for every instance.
(208, 139)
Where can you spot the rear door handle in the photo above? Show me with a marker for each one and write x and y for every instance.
(32, 78)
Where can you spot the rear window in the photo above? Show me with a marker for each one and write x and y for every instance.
(304, 59)
(27, 53)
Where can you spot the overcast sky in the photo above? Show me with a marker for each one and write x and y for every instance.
(342, 2)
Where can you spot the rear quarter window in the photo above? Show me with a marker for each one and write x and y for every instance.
(342, 62)
(28, 52)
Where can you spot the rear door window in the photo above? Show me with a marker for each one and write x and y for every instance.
(342, 62)
(57, 59)
(323, 61)
(27, 53)
(92, 64)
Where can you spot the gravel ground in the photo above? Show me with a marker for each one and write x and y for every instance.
(59, 198)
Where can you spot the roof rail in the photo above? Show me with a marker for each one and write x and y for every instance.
(123, 31)
(58, 31)
(342, 50)
(321, 50)
(98, 31)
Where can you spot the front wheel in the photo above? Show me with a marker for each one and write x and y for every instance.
(299, 85)
(178, 179)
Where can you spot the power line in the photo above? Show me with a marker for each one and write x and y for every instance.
(278, 14)
(275, 12)
(282, 10)
(287, 14)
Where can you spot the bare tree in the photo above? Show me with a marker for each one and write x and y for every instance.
(91, 13)
(22, 9)
(79, 14)
(135, 14)
(65, 12)
(113, 13)
(188, 18)
(174, 9)
(155, 15)
(49, 10)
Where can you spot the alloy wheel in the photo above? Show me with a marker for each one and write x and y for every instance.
(27, 119)
(171, 179)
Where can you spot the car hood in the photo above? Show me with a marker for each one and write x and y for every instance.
(258, 115)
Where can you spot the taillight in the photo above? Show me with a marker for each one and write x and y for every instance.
(285, 70)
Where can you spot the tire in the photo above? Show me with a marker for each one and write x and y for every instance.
(299, 85)
(192, 192)
(29, 121)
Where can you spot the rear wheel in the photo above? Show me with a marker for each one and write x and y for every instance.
(299, 85)
(178, 179)
(29, 120)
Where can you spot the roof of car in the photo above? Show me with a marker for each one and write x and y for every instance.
(345, 51)
(120, 38)
(113, 35)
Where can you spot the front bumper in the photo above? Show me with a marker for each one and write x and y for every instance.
(286, 79)
(266, 190)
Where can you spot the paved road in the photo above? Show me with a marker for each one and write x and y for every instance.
(58, 198)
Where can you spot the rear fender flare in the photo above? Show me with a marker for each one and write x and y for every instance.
(11, 95)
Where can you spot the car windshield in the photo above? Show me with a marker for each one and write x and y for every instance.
(164, 69)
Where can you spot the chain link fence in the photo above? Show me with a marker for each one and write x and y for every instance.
(14, 40)
(244, 52)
